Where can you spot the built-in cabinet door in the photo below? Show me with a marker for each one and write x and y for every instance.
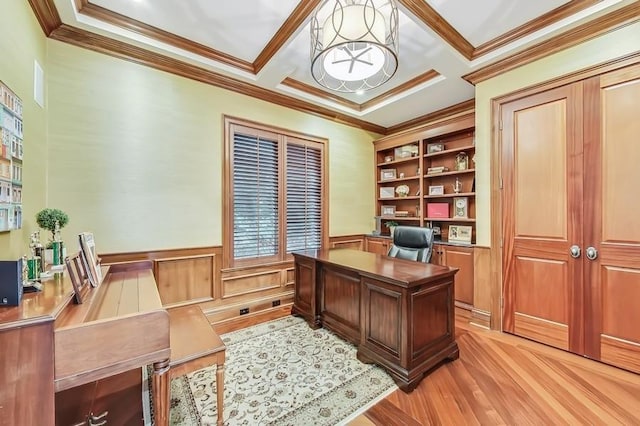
(613, 154)
(378, 245)
(461, 258)
(542, 168)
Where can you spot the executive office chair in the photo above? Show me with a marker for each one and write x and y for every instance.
(412, 243)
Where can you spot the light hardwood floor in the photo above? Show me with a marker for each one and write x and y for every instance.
(501, 379)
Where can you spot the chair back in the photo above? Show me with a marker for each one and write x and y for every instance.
(412, 243)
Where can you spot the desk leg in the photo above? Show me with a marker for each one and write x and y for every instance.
(220, 391)
(161, 392)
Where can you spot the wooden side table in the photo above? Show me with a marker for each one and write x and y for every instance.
(195, 345)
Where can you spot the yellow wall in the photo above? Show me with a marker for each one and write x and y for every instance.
(136, 154)
(21, 42)
(609, 46)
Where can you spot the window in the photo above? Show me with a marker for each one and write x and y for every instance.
(274, 199)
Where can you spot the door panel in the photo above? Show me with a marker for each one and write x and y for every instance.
(540, 166)
(613, 227)
(542, 158)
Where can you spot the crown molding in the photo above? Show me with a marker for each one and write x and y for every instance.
(445, 113)
(121, 50)
(428, 15)
(587, 31)
(293, 22)
(46, 14)
(105, 15)
(551, 17)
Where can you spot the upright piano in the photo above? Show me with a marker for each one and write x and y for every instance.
(50, 344)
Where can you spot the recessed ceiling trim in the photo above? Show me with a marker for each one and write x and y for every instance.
(551, 17)
(319, 93)
(288, 28)
(589, 30)
(105, 15)
(433, 20)
(359, 107)
(422, 78)
(138, 55)
(446, 113)
(46, 14)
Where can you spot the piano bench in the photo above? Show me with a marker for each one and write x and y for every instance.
(195, 345)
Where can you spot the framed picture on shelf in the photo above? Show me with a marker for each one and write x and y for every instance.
(460, 234)
(388, 174)
(435, 147)
(436, 189)
(436, 231)
(387, 211)
(387, 192)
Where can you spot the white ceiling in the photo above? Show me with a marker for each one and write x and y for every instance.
(241, 29)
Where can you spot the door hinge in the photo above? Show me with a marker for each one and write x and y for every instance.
(501, 183)
(500, 125)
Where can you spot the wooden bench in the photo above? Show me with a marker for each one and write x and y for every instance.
(195, 345)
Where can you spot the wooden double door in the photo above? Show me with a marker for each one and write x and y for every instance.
(571, 217)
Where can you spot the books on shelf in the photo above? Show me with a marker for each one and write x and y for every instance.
(438, 169)
(402, 213)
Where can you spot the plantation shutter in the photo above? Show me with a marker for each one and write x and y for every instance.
(304, 195)
(255, 195)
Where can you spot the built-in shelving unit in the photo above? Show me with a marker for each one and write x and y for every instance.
(434, 167)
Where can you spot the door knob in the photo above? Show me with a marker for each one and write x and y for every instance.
(575, 251)
(592, 253)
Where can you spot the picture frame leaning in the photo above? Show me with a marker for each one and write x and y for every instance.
(90, 260)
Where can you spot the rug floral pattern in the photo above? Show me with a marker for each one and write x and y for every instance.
(281, 373)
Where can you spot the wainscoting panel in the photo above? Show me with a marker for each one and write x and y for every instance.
(185, 279)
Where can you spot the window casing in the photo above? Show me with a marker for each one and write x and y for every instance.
(275, 199)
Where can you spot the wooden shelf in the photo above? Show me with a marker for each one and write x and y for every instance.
(454, 172)
(399, 179)
(451, 151)
(448, 219)
(398, 161)
(461, 194)
(411, 218)
(409, 197)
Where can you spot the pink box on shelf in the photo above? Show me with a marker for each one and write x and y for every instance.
(438, 210)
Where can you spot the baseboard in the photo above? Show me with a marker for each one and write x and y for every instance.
(480, 318)
(236, 323)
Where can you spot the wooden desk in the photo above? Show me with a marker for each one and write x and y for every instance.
(50, 344)
(195, 345)
(399, 313)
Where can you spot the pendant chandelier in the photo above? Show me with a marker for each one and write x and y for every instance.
(354, 44)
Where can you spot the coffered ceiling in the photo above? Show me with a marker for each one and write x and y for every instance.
(261, 47)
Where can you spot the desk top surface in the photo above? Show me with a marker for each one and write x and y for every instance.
(403, 272)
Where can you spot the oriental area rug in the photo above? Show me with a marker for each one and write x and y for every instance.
(282, 373)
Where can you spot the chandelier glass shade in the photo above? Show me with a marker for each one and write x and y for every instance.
(354, 44)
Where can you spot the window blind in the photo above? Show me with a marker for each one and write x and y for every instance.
(255, 196)
(304, 197)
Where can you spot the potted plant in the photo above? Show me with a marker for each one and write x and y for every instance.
(52, 220)
(391, 224)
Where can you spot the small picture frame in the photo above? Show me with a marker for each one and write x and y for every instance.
(388, 174)
(436, 189)
(387, 192)
(460, 234)
(435, 147)
(436, 230)
(76, 275)
(387, 211)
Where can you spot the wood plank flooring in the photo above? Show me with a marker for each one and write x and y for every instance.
(501, 379)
